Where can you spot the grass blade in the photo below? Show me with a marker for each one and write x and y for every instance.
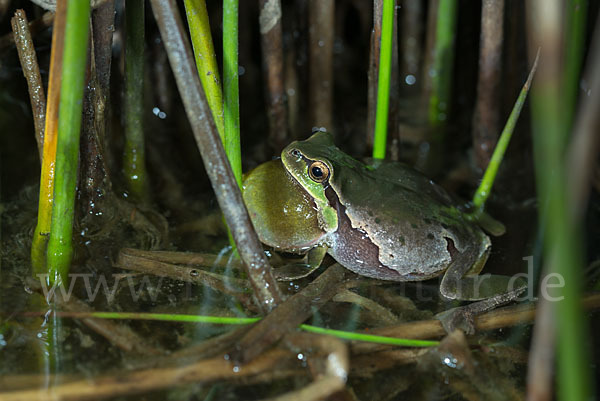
(485, 188)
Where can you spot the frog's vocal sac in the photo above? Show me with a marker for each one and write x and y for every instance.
(388, 222)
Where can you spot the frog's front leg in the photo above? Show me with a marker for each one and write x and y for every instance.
(461, 282)
(295, 271)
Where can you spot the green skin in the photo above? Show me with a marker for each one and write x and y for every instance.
(389, 222)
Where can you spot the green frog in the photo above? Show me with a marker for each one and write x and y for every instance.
(388, 222)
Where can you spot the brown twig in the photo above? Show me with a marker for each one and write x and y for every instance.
(487, 107)
(35, 26)
(321, 15)
(329, 355)
(97, 188)
(124, 383)
(331, 373)
(272, 50)
(31, 71)
(364, 365)
(214, 158)
(141, 261)
(103, 20)
(373, 71)
(290, 314)
(500, 318)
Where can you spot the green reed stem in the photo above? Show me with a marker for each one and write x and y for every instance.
(206, 61)
(383, 84)
(231, 87)
(60, 248)
(443, 60)
(575, 23)
(347, 335)
(562, 240)
(167, 317)
(248, 320)
(134, 159)
(485, 188)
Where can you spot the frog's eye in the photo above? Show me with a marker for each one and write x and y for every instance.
(318, 171)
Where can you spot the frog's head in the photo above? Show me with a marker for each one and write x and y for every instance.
(311, 163)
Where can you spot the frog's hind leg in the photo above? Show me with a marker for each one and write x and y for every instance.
(463, 317)
(462, 281)
(489, 290)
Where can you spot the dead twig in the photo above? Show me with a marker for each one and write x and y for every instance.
(35, 26)
(321, 15)
(373, 71)
(272, 50)
(123, 383)
(332, 371)
(31, 71)
(496, 319)
(132, 259)
(486, 117)
(290, 314)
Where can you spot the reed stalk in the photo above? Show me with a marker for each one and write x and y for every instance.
(134, 154)
(206, 60)
(231, 88)
(383, 83)
(485, 188)
(575, 24)
(60, 243)
(442, 63)
(562, 237)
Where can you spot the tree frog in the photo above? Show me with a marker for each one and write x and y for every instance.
(388, 222)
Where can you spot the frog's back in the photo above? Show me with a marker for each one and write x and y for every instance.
(408, 219)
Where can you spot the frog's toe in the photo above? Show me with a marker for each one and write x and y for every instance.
(461, 318)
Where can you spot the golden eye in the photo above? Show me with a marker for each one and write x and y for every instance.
(318, 172)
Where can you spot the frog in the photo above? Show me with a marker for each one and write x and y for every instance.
(386, 221)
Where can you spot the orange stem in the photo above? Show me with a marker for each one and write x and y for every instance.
(42, 230)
